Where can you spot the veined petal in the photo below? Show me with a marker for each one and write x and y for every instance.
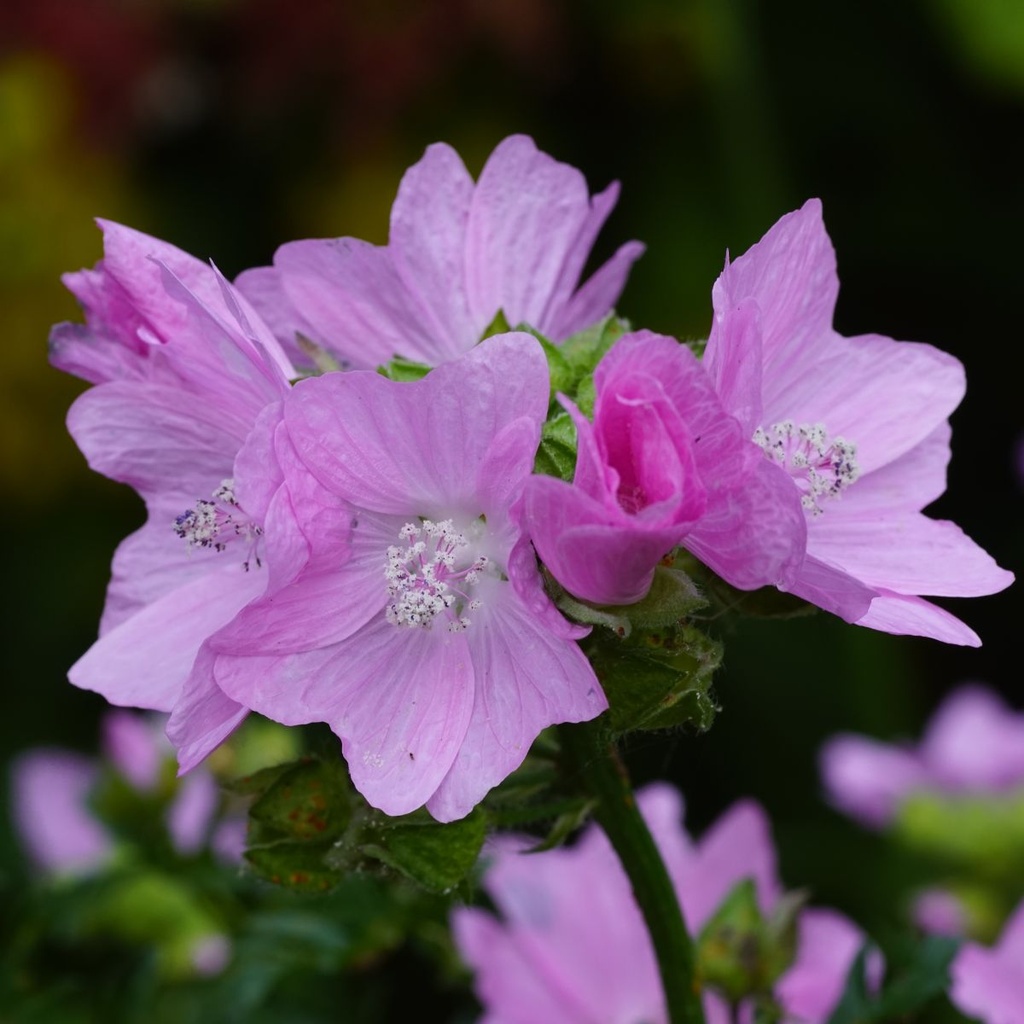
(791, 275)
(264, 290)
(906, 615)
(144, 661)
(204, 715)
(832, 589)
(526, 680)
(428, 247)
(394, 447)
(735, 362)
(884, 396)
(353, 297)
(909, 553)
(526, 214)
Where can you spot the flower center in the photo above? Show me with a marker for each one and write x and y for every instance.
(822, 467)
(434, 574)
(217, 523)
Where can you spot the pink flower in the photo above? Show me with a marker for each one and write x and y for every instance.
(572, 947)
(988, 984)
(51, 789)
(860, 428)
(973, 744)
(662, 464)
(183, 367)
(418, 629)
(458, 253)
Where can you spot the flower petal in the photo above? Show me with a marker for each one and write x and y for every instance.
(526, 680)
(905, 615)
(144, 661)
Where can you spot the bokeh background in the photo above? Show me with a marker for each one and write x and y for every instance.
(231, 126)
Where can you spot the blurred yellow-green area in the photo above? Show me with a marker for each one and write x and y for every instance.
(231, 126)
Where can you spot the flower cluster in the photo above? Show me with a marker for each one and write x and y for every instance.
(325, 543)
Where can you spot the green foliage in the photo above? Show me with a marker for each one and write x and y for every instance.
(403, 370)
(308, 829)
(740, 952)
(917, 972)
(556, 454)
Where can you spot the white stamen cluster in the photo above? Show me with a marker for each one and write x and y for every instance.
(823, 467)
(424, 581)
(212, 524)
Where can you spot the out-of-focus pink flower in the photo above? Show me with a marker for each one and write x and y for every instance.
(572, 946)
(182, 367)
(988, 983)
(418, 628)
(662, 464)
(859, 427)
(458, 252)
(939, 912)
(973, 744)
(51, 790)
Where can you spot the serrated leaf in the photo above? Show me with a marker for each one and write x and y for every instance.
(310, 801)
(297, 865)
(656, 681)
(435, 855)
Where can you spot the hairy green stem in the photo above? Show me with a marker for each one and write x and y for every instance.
(593, 757)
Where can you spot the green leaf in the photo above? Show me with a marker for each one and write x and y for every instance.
(656, 680)
(917, 972)
(437, 856)
(298, 865)
(309, 801)
(403, 370)
(574, 815)
(556, 455)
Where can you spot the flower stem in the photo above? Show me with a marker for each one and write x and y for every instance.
(594, 758)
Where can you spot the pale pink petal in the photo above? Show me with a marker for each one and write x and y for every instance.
(526, 680)
(427, 244)
(135, 747)
(939, 912)
(526, 214)
(827, 945)
(264, 291)
(867, 779)
(204, 715)
(144, 661)
(49, 792)
(907, 553)
(736, 847)
(507, 981)
(191, 813)
(974, 741)
(906, 615)
(528, 584)
(791, 274)
(736, 364)
(598, 295)
(351, 294)
(345, 427)
(93, 354)
(400, 699)
(753, 535)
(988, 984)
(832, 589)
(884, 396)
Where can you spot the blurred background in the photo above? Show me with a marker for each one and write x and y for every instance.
(230, 126)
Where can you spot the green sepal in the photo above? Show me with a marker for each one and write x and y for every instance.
(556, 454)
(656, 680)
(575, 814)
(295, 864)
(404, 370)
(740, 952)
(672, 596)
(499, 325)
(322, 360)
(310, 801)
(435, 855)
